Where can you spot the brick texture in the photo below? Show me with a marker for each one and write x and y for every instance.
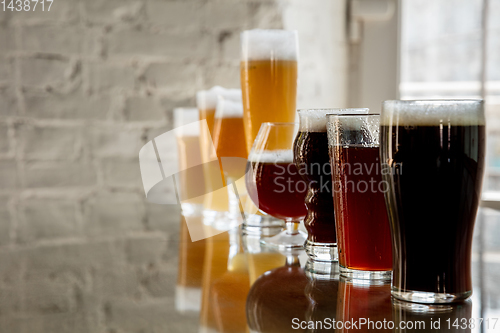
(82, 88)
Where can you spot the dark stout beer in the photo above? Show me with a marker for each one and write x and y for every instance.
(436, 151)
(313, 163)
(437, 190)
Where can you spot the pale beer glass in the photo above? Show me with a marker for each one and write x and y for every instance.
(268, 78)
(229, 143)
(215, 203)
(191, 180)
(268, 73)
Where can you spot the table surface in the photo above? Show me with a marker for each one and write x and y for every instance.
(225, 283)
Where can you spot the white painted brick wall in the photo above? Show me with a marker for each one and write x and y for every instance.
(82, 88)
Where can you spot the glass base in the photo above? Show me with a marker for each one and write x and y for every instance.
(365, 275)
(429, 297)
(190, 209)
(322, 251)
(426, 308)
(261, 225)
(321, 270)
(285, 241)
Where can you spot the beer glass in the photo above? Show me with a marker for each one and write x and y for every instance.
(274, 184)
(363, 231)
(313, 163)
(191, 179)
(230, 147)
(434, 151)
(215, 204)
(268, 78)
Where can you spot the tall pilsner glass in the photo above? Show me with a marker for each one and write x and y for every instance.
(215, 204)
(435, 154)
(268, 73)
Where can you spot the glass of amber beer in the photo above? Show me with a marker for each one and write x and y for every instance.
(191, 179)
(215, 203)
(274, 184)
(363, 231)
(229, 142)
(435, 154)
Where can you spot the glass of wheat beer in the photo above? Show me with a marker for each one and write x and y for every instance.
(215, 203)
(230, 147)
(268, 78)
(435, 152)
(191, 179)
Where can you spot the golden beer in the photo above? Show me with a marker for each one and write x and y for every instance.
(268, 78)
(229, 138)
(216, 199)
(191, 179)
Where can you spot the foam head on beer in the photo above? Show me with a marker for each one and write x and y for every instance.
(183, 117)
(229, 108)
(207, 99)
(271, 156)
(433, 112)
(353, 130)
(260, 44)
(314, 120)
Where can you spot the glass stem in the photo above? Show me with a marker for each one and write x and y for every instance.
(292, 227)
(292, 260)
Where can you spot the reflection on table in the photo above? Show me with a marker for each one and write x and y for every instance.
(242, 286)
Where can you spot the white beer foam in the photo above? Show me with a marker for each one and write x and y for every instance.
(185, 116)
(207, 99)
(314, 120)
(259, 44)
(272, 156)
(433, 112)
(227, 108)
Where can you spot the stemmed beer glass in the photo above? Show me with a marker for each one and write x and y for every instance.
(274, 184)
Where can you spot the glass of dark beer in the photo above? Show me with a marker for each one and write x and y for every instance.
(274, 184)
(363, 231)
(313, 163)
(435, 154)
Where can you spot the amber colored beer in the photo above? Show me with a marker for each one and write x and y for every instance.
(269, 93)
(216, 198)
(363, 230)
(278, 189)
(229, 139)
(191, 176)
